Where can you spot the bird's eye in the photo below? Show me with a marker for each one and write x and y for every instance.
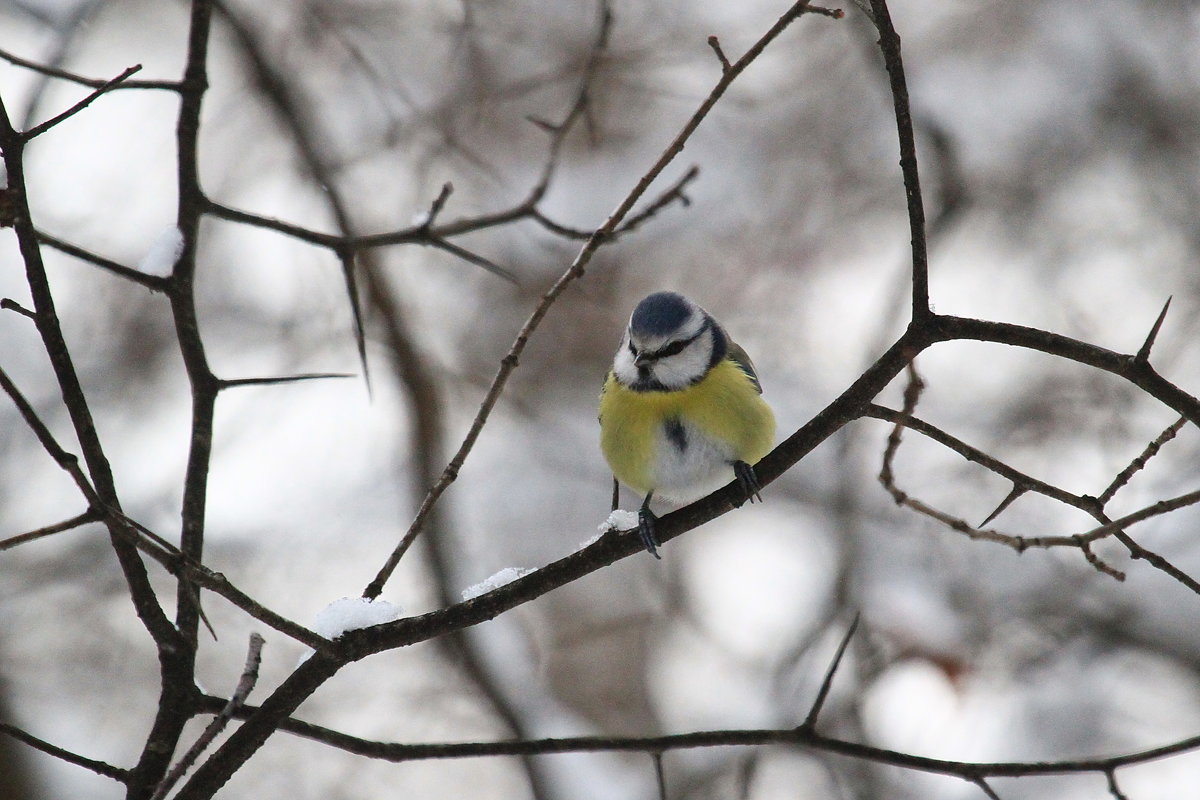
(673, 349)
(632, 349)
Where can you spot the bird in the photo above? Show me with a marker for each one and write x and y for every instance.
(681, 412)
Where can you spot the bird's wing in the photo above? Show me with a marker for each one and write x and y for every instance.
(739, 356)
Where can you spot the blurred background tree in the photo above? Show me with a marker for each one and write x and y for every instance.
(1060, 152)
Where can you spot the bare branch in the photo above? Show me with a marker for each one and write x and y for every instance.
(1140, 462)
(1113, 788)
(154, 283)
(68, 461)
(38, 130)
(236, 700)
(95, 83)
(8, 304)
(889, 43)
(802, 736)
(985, 788)
(576, 270)
(660, 775)
(827, 682)
(98, 767)
(66, 525)
(715, 44)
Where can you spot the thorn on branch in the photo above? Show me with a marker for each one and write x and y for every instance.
(473, 258)
(311, 376)
(1143, 355)
(1016, 492)
(715, 44)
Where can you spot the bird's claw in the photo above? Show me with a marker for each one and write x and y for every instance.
(646, 523)
(748, 480)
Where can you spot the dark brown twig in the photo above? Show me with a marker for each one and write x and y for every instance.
(108, 86)
(220, 721)
(889, 43)
(98, 767)
(576, 270)
(66, 525)
(810, 721)
(1140, 462)
(94, 83)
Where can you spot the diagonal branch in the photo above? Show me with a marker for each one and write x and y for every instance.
(95, 83)
(220, 721)
(77, 521)
(98, 767)
(38, 130)
(575, 271)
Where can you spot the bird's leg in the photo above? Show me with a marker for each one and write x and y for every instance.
(748, 480)
(646, 522)
(616, 494)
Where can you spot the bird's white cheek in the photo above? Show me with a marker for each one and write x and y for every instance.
(623, 366)
(682, 370)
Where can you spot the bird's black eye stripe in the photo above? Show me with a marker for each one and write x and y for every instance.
(632, 349)
(674, 348)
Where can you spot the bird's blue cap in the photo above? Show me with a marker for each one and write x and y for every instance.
(660, 314)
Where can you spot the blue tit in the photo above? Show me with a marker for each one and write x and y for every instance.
(682, 412)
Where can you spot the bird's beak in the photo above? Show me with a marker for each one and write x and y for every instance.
(641, 360)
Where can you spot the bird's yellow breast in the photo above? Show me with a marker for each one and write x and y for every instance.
(725, 406)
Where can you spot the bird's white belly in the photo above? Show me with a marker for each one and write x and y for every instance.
(689, 464)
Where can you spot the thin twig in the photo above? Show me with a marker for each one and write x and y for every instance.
(94, 83)
(1113, 788)
(236, 700)
(810, 721)
(155, 283)
(98, 767)
(985, 788)
(889, 43)
(510, 361)
(8, 304)
(68, 461)
(66, 525)
(1140, 462)
(800, 736)
(659, 774)
(38, 130)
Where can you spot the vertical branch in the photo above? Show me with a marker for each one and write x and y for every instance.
(183, 308)
(174, 653)
(889, 43)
